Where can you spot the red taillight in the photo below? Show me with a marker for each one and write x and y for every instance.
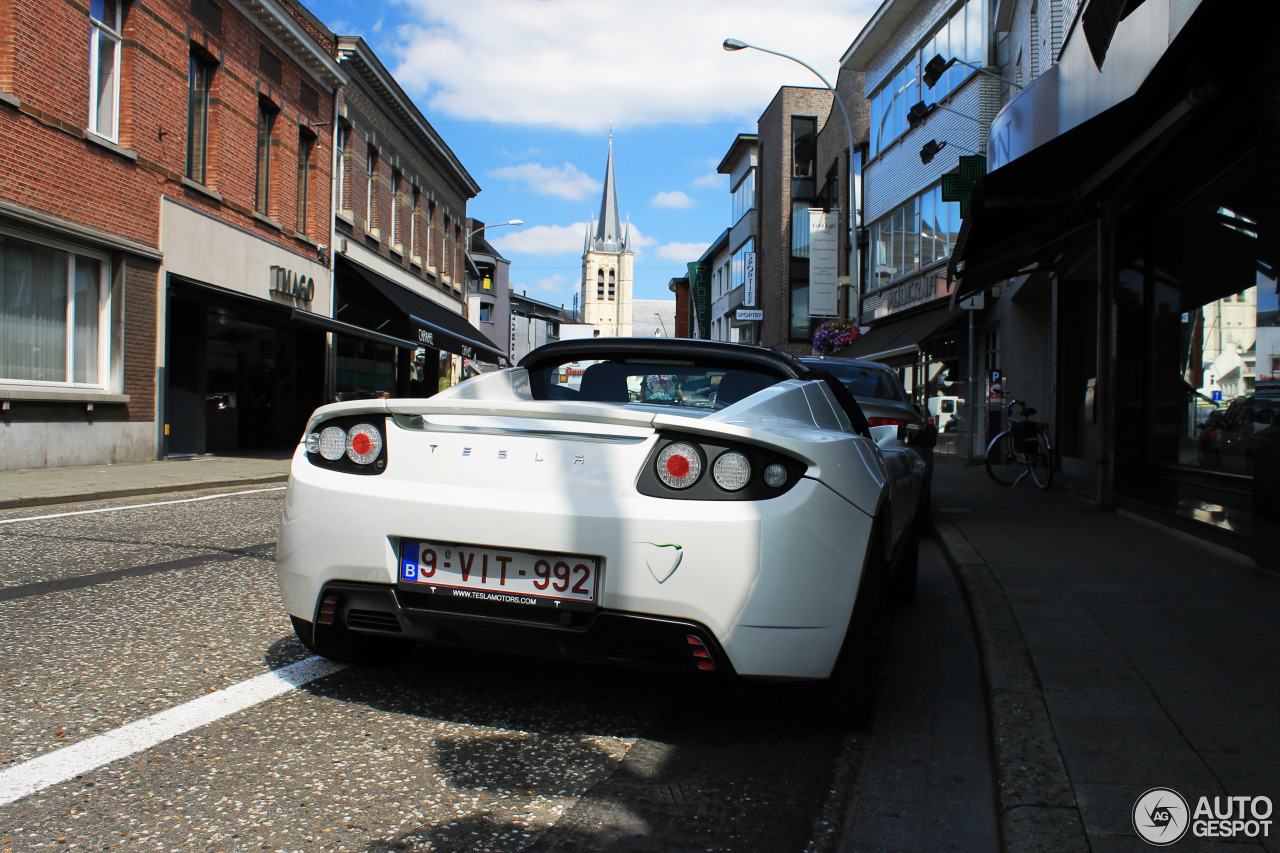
(361, 444)
(678, 466)
(894, 422)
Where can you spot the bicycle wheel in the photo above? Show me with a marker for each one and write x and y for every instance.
(1002, 463)
(1042, 461)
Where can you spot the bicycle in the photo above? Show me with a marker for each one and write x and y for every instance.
(1021, 449)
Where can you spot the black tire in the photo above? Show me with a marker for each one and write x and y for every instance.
(1042, 462)
(902, 589)
(847, 696)
(339, 644)
(1002, 463)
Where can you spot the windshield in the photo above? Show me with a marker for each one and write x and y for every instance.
(865, 381)
(658, 382)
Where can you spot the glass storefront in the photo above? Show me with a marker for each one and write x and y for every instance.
(1198, 358)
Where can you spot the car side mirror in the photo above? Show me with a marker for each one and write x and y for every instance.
(922, 435)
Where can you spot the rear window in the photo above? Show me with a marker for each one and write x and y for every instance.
(864, 381)
(657, 382)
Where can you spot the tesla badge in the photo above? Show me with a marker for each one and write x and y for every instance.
(662, 560)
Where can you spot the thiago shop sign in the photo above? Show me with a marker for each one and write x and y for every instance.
(292, 284)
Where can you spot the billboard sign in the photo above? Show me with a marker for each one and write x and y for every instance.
(822, 263)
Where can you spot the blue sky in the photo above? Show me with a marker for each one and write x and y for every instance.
(525, 93)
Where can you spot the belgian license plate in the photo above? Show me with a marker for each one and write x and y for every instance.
(499, 575)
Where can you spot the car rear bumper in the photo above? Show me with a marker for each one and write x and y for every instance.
(602, 636)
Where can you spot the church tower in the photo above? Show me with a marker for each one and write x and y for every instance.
(607, 266)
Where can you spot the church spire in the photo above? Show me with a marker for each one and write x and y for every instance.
(608, 237)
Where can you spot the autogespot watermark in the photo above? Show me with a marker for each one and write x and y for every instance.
(1162, 817)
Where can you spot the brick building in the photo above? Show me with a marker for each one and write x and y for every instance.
(786, 185)
(163, 208)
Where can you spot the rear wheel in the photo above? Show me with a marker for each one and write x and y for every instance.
(1002, 463)
(847, 696)
(1042, 462)
(902, 589)
(345, 646)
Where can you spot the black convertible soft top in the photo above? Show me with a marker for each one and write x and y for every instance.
(781, 365)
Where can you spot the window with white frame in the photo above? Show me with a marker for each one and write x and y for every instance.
(104, 67)
(395, 204)
(920, 232)
(54, 310)
(370, 198)
(199, 86)
(341, 145)
(413, 225)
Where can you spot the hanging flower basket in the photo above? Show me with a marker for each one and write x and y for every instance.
(833, 336)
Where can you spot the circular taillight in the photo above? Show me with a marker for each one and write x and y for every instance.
(731, 471)
(333, 443)
(364, 443)
(679, 465)
(312, 442)
(775, 476)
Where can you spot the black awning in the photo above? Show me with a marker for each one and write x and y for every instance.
(893, 338)
(433, 325)
(331, 325)
(1029, 213)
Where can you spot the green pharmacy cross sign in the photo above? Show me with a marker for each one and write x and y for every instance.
(958, 185)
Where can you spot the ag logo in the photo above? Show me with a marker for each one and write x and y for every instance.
(1160, 817)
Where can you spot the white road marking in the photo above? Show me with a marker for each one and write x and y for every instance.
(141, 506)
(61, 765)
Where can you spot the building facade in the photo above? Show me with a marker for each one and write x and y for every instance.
(786, 185)
(145, 321)
(731, 261)
(489, 290)
(399, 321)
(608, 266)
(932, 90)
(1134, 177)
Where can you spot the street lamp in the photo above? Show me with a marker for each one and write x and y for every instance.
(921, 111)
(936, 67)
(933, 146)
(662, 323)
(855, 296)
(471, 233)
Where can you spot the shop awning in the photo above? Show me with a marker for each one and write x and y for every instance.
(1029, 213)
(331, 325)
(896, 338)
(433, 325)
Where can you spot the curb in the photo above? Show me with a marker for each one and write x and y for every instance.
(1037, 805)
(28, 501)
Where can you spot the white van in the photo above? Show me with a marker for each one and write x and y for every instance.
(943, 409)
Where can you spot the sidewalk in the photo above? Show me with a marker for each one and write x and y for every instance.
(47, 486)
(1117, 658)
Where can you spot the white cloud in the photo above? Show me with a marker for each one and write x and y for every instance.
(557, 284)
(675, 199)
(712, 179)
(567, 182)
(558, 61)
(543, 240)
(682, 251)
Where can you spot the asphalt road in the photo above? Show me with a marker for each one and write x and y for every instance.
(138, 642)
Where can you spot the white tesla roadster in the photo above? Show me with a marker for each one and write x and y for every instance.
(679, 504)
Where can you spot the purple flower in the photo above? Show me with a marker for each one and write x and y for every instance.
(833, 336)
